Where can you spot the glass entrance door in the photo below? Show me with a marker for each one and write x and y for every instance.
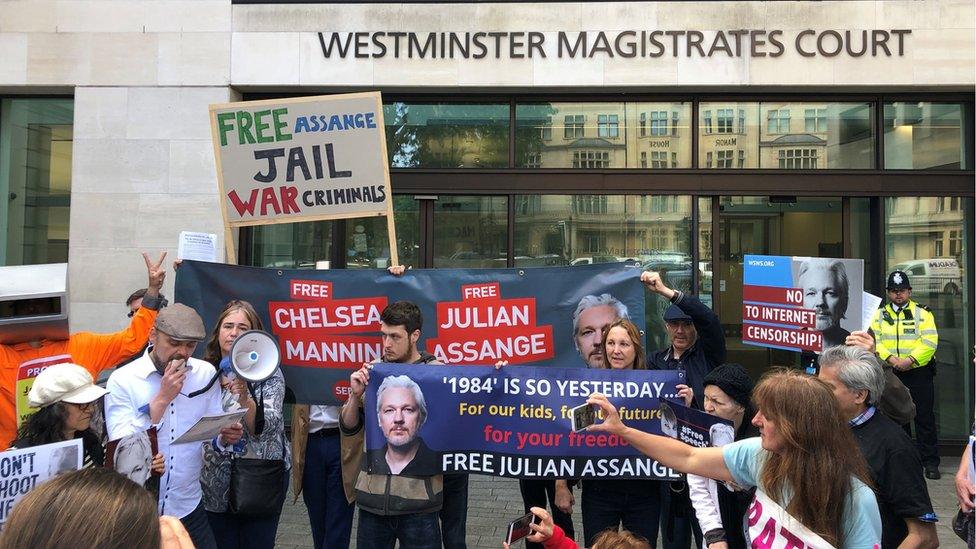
(764, 225)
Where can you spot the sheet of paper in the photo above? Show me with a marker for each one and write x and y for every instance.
(197, 246)
(869, 305)
(210, 426)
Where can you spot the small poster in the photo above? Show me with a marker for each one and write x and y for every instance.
(132, 456)
(800, 303)
(693, 426)
(197, 246)
(23, 470)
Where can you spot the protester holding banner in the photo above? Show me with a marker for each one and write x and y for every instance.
(59, 514)
(805, 460)
(231, 530)
(896, 468)
(405, 510)
(697, 346)
(720, 509)
(94, 352)
(168, 389)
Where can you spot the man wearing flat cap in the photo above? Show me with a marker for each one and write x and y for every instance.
(906, 338)
(168, 389)
(697, 347)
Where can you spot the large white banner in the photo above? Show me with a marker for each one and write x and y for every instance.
(771, 527)
(23, 470)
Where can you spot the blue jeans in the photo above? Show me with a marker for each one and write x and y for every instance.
(416, 531)
(198, 526)
(454, 513)
(603, 509)
(329, 514)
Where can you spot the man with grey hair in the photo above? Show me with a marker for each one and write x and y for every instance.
(592, 315)
(826, 290)
(895, 465)
(401, 411)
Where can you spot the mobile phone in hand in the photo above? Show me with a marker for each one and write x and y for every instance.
(582, 417)
(519, 528)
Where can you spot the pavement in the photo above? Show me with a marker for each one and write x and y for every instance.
(493, 502)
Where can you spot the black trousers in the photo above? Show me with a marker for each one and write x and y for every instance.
(539, 493)
(921, 384)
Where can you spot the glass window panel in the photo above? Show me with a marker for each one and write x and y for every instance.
(921, 136)
(918, 232)
(442, 135)
(470, 231)
(705, 250)
(290, 245)
(368, 241)
(36, 137)
(602, 135)
(727, 131)
(587, 229)
(834, 136)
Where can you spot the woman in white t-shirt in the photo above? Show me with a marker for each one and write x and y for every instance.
(805, 458)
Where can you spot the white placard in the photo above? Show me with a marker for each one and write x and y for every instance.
(197, 246)
(210, 426)
(23, 470)
(869, 306)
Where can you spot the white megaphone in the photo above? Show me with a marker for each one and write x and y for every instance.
(255, 355)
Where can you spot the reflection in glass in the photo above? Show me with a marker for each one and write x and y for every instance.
(587, 229)
(470, 231)
(290, 245)
(603, 135)
(368, 241)
(728, 135)
(927, 237)
(440, 135)
(36, 137)
(705, 250)
(920, 136)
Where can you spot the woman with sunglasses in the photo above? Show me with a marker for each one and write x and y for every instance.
(67, 399)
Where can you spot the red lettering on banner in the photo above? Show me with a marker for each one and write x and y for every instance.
(282, 198)
(772, 295)
(333, 316)
(767, 537)
(480, 291)
(801, 318)
(241, 206)
(310, 289)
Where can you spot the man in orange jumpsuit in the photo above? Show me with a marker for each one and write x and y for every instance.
(95, 352)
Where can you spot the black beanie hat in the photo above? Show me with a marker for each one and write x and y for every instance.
(733, 380)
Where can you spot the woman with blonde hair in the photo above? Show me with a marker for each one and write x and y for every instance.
(58, 513)
(805, 458)
(633, 504)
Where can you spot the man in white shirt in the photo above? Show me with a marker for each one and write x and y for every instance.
(167, 389)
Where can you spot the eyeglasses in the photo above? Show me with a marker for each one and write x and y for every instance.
(86, 407)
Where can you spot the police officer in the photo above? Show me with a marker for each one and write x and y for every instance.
(906, 338)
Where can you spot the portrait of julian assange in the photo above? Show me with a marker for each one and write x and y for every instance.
(832, 289)
(401, 412)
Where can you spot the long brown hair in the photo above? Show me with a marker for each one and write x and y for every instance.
(820, 457)
(212, 353)
(635, 338)
(59, 513)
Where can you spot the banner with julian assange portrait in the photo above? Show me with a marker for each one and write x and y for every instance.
(327, 323)
(513, 422)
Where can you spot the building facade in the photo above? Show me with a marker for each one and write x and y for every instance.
(679, 134)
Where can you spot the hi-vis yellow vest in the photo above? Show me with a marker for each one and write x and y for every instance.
(910, 332)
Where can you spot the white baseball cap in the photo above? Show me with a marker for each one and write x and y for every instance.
(64, 383)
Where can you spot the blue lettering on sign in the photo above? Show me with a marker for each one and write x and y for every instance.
(335, 122)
